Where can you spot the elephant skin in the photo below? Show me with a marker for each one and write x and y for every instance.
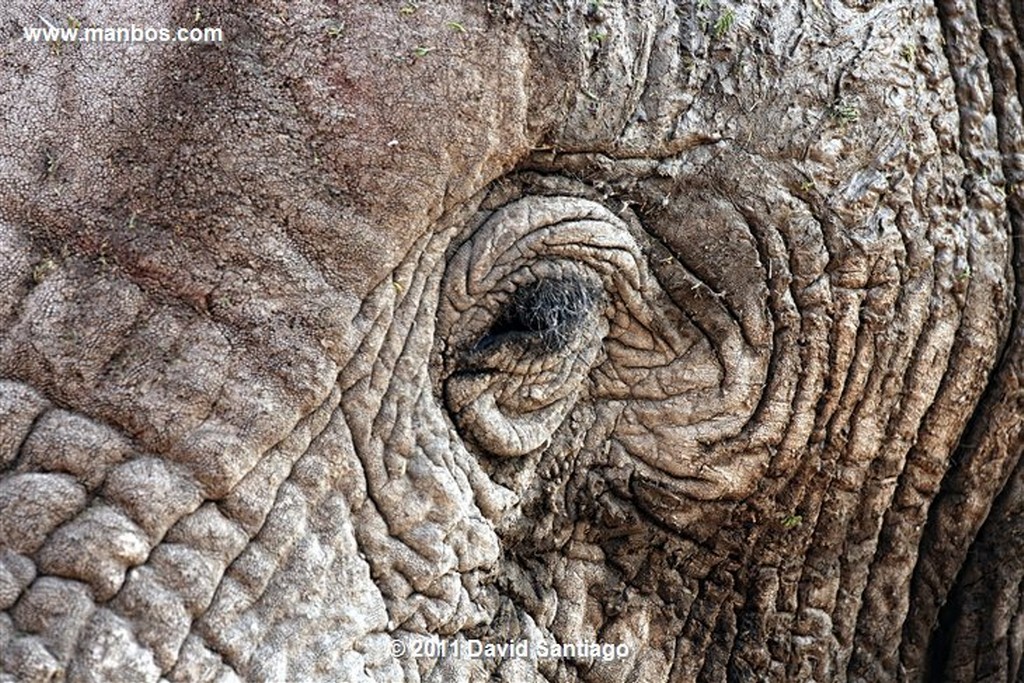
(513, 340)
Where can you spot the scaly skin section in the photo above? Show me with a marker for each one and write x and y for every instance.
(870, 242)
(172, 340)
(225, 453)
(980, 634)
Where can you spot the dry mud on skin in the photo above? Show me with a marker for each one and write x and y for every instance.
(382, 339)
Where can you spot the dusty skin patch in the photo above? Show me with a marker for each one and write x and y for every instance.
(640, 324)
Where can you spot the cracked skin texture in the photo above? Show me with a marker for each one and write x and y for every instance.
(591, 322)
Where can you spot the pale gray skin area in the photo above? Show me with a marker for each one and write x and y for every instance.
(617, 322)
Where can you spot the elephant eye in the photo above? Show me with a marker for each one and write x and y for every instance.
(542, 315)
(556, 300)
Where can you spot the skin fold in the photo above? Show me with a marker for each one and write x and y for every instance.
(689, 329)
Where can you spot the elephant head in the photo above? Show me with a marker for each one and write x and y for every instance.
(676, 341)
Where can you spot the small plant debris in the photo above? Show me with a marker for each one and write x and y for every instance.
(844, 112)
(50, 163)
(335, 30)
(723, 24)
(43, 269)
(792, 521)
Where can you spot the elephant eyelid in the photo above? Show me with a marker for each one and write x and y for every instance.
(543, 315)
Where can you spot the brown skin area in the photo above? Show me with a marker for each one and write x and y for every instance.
(236, 302)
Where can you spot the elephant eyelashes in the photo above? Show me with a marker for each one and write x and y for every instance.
(542, 316)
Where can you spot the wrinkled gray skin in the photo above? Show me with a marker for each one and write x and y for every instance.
(558, 322)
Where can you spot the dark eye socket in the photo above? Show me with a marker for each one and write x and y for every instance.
(543, 315)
